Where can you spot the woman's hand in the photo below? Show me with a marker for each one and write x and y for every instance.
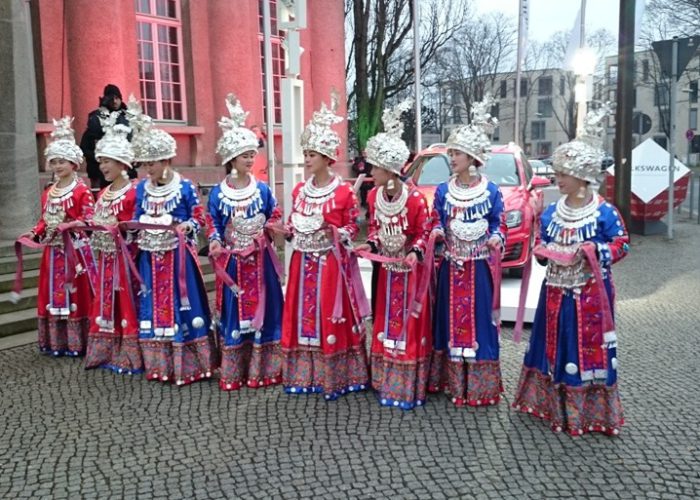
(364, 247)
(494, 243)
(215, 249)
(411, 259)
(184, 227)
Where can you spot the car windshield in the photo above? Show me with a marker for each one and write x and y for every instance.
(435, 170)
(502, 170)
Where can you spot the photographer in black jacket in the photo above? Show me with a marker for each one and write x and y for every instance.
(111, 100)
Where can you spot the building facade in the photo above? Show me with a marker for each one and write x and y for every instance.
(181, 58)
(547, 107)
(652, 99)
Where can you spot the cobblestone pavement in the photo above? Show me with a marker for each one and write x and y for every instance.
(69, 433)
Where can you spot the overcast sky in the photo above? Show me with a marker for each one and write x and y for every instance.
(550, 16)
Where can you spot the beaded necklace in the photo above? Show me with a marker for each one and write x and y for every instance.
(313, 200)
(573, 225)
(240, 201)
(469, 202)
(161, 200)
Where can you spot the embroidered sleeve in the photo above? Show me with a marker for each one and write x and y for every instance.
(422, 222)
(40, 228)
(87, 206)
(138, 207)
(214, 219)
(439, 209)
(497, 222)
(272, 209)
(616, 239)
(195, 209)
(348, 231)
(372, 225)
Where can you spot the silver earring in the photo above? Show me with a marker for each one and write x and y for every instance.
(582, 192)
(390, 185)
(165, 174)
(125, 175)
(234, 173)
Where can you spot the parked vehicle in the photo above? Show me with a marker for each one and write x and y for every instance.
(508, 167)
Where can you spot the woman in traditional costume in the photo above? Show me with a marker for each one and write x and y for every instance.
(249, 302)
(174, 319)
(469, 211)
(569, 374)
(65, 295)
(113, 342)
(399, 229)
(323, 336)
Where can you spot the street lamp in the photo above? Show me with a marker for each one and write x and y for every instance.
(584, 64)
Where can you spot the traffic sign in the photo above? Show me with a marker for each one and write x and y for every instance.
(689, 134)
(686, 50)
(641, 123)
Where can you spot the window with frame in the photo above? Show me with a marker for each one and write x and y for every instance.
(523, 86)
(693, 119)
(504, 88)
(277, 58)
(544, 106)
(693, 94)
(645, 70)
(544, 148)
(161, 72)
(537, 130)
(544, 84)
(562, 85)
(661, 96)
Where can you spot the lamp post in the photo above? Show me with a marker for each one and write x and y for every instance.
(584, 65)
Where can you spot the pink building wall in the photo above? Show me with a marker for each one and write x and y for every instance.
(95, 44)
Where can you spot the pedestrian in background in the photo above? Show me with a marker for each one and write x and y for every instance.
(569, 374)
(110, 101)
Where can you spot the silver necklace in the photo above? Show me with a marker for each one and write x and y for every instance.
(568, 214)
(389, 208)
(464, 197)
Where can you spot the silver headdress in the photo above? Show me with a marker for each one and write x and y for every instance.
(63, 142)
(582, 157)
(236, 138)
(386, 149)
(115, 144)
(150, 143)
(318, 135)
(473, 139)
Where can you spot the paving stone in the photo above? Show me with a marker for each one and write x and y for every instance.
(71, 433)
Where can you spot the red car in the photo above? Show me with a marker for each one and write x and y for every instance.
(509, 169)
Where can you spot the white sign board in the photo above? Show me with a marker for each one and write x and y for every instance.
(650, 163)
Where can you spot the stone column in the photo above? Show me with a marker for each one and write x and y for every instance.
(19, 177)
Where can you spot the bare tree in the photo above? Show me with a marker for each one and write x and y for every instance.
(468, 66)
(381, 57)
(674, 17)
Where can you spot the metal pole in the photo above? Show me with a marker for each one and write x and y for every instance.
(518, 71)
(692, 196)
(623, 112)
(269, 96)
(672, 134)
(416, 65)
(581, 79)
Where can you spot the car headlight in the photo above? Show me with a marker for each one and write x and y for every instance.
(514, 218)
